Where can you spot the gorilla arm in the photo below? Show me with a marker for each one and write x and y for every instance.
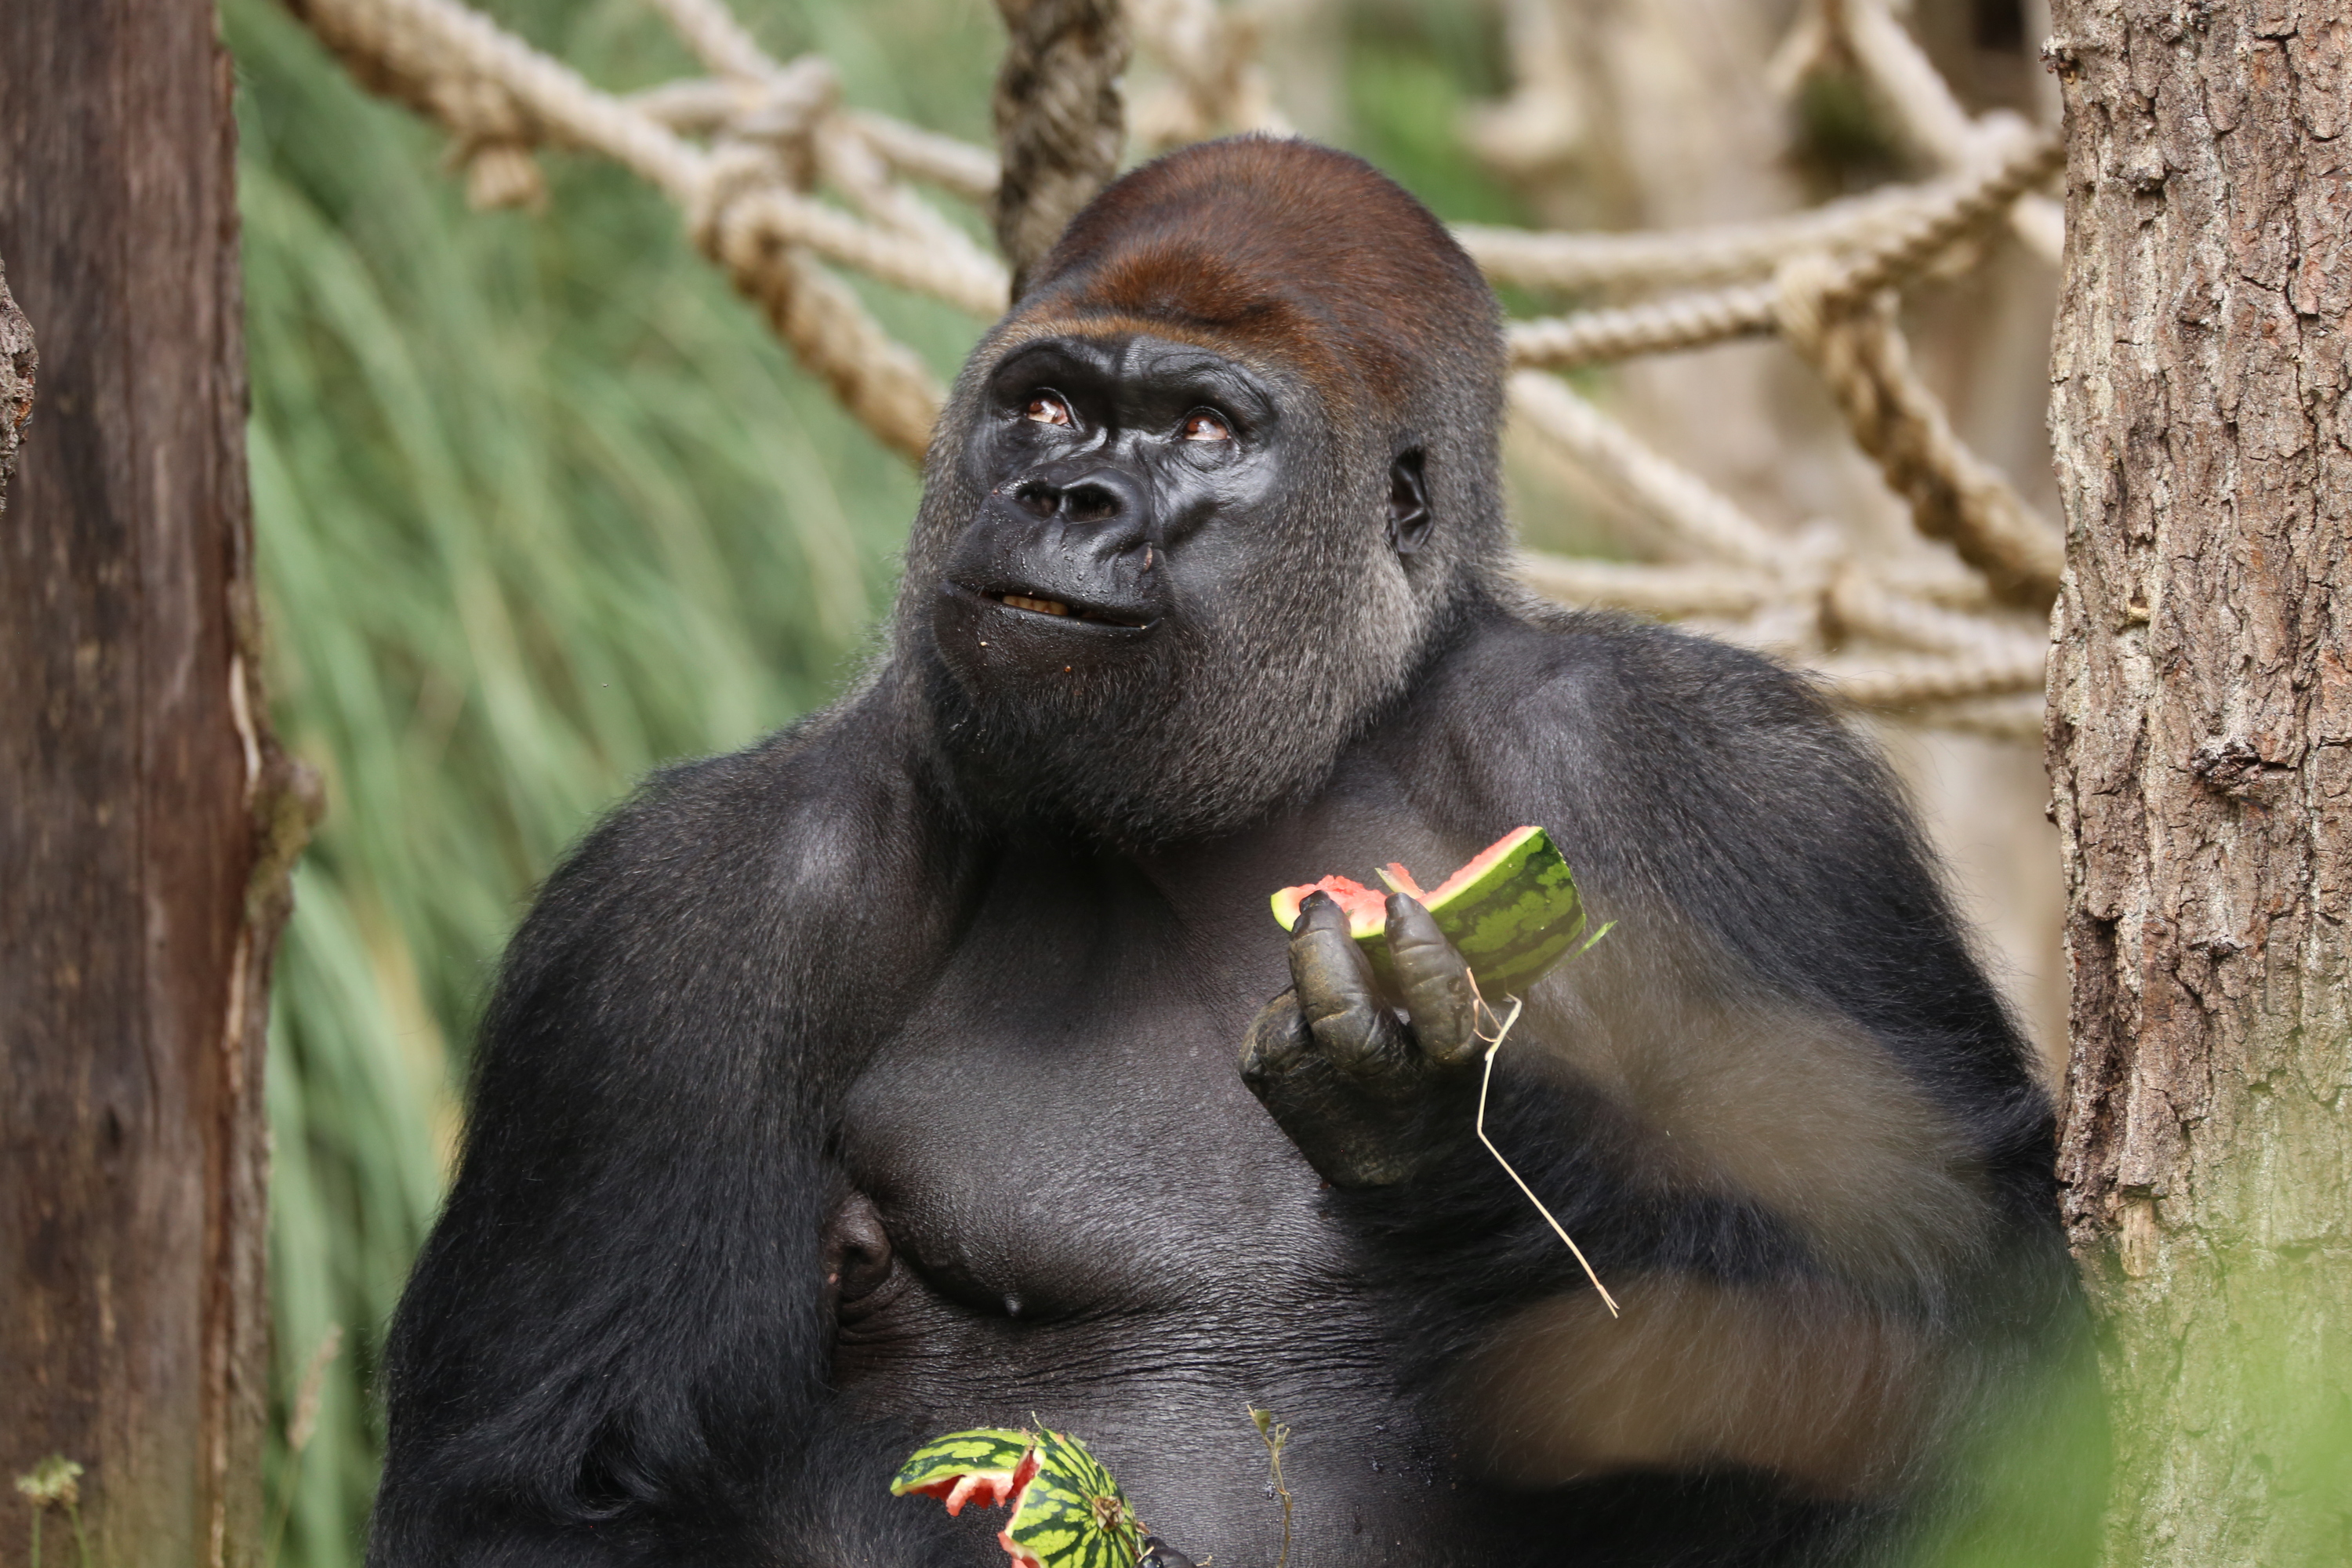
(1778, 1107)
(619, 1330)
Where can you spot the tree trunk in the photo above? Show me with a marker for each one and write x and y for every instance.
(2200, 743)
(146, 816)
(18, 362)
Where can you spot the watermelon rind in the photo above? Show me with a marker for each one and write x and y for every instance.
(1512, 922)
(1069, 1512)
(1073, 1515)
(991, 1451)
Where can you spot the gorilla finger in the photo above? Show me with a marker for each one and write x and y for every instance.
(1336, 994)
(1327, 968)
(1277, 1038)
(1434, 981)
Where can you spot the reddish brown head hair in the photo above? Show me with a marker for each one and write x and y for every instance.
(1277, 250)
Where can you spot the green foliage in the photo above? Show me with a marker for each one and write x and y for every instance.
(540, 506)
(1412, 72)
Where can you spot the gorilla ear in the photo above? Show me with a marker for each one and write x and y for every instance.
(1408, 516)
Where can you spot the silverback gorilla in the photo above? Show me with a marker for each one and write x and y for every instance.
(881, 1080)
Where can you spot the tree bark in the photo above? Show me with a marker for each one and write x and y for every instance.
(20, 360)
(146, 815)
(2200, 744)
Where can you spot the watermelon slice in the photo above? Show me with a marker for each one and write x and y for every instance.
(1068, 1512)
(1512, 911)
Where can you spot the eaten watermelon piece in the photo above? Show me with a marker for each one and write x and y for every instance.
(1512, 911)
(1068, 1512)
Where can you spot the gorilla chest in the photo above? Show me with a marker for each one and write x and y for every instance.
(1059, 1129)
(1093, 1223)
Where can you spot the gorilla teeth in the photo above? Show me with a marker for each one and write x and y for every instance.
(1043, 606)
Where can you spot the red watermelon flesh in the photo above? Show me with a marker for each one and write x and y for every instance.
(1477, 866)
(1512, 911)
(991, 1489)
(1365, 909)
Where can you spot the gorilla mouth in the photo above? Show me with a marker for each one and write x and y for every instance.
(1026, 601)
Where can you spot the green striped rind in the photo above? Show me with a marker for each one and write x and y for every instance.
(1073, 1515)
(986, 1451)
(1510, 925)
(1517, 921)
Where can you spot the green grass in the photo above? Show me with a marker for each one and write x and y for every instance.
(539, 506)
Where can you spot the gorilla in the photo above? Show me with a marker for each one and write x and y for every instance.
(881, 1080)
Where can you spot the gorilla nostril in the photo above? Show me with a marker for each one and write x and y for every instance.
(1037, 497)
(1089, 503)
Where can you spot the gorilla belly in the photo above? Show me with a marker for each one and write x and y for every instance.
(1140, 1277)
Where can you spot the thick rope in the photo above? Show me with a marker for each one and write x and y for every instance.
(1670, 593)
(1694, 511)
(1911, 241)
(1954, 495)
(1691, 258)
(1059, 123)
(1858, 603)
(1902, 681)
(479, 80)
(957, 167)
(1930, 117)
(778, 130)
(717, 40)
(884, 384)
(1823, 598)
(1662, 326)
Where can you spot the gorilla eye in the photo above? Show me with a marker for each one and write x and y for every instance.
(1048, 409)
(1205, 427)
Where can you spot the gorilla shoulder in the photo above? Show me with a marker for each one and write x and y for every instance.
(823, 834)
(1597, 715)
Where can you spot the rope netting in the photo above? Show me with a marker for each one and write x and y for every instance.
(782, 184)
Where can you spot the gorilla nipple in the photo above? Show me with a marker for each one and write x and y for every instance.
(856, 1249)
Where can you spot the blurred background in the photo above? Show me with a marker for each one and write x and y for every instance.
(541, 504)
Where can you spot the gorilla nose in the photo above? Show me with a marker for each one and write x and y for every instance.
(1103, 495)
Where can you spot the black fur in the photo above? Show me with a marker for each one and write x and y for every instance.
(880, 1080)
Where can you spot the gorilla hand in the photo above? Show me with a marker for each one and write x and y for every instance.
(1157, 1553)
(1367, 1095)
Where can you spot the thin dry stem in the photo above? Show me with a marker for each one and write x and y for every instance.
(1495, 1044)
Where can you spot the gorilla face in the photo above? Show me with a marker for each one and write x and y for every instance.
(1202, 505)
(1149, 511)
(1126, 483)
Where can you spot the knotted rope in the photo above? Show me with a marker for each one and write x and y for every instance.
(1059, 123)
(778, 142)
(1954, 495)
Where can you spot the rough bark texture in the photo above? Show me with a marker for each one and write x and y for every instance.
(145, 814)
(2200, 743)
(19, 363)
